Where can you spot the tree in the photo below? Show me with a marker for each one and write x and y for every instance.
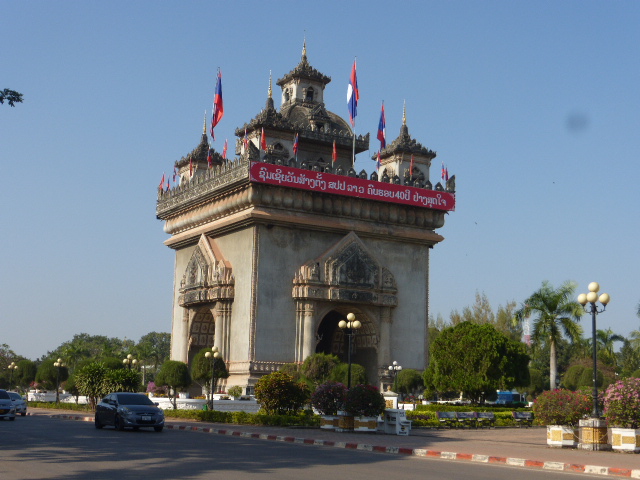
(475, 360)
(174, 375)
(278, 394)
(629, 359)
(201, 370)
(26, 373)
(154, 348)
(605, 340)
(536, 383)
(317, 367)
(409, 380)
(555, 312)
(341, 374)
(571, 379)
(90, 380)
(122, 380)
(11, 96)
(47, 374)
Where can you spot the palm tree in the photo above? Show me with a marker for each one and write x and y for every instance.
(605, 340)
(557, 314)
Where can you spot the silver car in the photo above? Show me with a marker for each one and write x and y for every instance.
(18, 403)
(7, 409)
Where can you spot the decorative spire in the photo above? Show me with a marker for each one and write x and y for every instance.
(304, 48)
(204, 127)
(270, 89)
(404, 113)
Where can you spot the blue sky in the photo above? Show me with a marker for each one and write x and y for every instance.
(534, 106)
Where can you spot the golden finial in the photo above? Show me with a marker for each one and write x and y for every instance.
(204, 127)
(304, 47)
(404, 113)
(270, 90)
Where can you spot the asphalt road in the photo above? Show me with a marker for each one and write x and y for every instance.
(38, 447)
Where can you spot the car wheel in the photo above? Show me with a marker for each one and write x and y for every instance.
(117, 423)
(158, 429)
(97, 423)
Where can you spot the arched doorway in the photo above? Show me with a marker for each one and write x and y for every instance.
(332, 340)
(201, 332)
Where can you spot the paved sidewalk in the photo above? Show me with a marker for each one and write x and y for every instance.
(524, 447)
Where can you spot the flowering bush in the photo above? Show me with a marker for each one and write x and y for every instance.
(364, 400)
(622, 403)
(329, 398)
(560, 407)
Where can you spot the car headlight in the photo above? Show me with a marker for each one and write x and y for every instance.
(124, 411)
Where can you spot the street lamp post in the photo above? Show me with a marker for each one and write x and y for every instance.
(11, 368)
(394, 368)
(591, 298)
(129, 361)
(58, 364)
(213, 354)
(350, 327)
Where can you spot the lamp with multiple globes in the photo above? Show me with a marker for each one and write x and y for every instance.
(213, 354)
(129, 361)
(394, 368)
(58, 364)
(12, 366)
(350, 327)
(588, 302)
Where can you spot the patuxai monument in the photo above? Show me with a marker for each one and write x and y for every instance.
(275, 246)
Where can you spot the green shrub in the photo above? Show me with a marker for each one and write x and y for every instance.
(278, 394)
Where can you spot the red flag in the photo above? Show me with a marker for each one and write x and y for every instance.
(263, 141)
(175, 173)
(334, 155)
(246, 140)
(167, 183)
(224, 149)
(411, 166)
(210, 158)
(295, 145)
(218, 107)
(378, 163)
(442, 173)
(446, 174)
(161, 182)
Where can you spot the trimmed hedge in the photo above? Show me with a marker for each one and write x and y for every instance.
(245, 418)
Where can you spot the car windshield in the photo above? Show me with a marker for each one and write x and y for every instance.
(4, 395)
(133, 399)
(14, 396)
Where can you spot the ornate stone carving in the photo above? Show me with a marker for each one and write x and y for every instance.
(346, 273)
(207, 278)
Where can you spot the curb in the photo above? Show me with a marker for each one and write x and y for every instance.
(416, 452)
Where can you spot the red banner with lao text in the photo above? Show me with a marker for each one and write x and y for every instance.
(350, 186)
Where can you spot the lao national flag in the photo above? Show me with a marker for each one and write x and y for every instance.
(443, 171)
(353, 95)
(210, 158)
(224, 149)
(382, 129)
(263, 141)
(246, 140)
(218, 107)
(162, 182)
(378, 162)
(295, 145)
(446, 174)
(334, 155)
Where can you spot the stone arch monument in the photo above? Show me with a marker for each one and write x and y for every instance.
(271, 251)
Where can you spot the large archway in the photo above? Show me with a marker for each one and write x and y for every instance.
(201, 331)
(332, 340)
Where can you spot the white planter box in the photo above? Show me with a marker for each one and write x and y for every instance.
(365, 424)
(329, 422)
(625, 439)
(562, 436)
